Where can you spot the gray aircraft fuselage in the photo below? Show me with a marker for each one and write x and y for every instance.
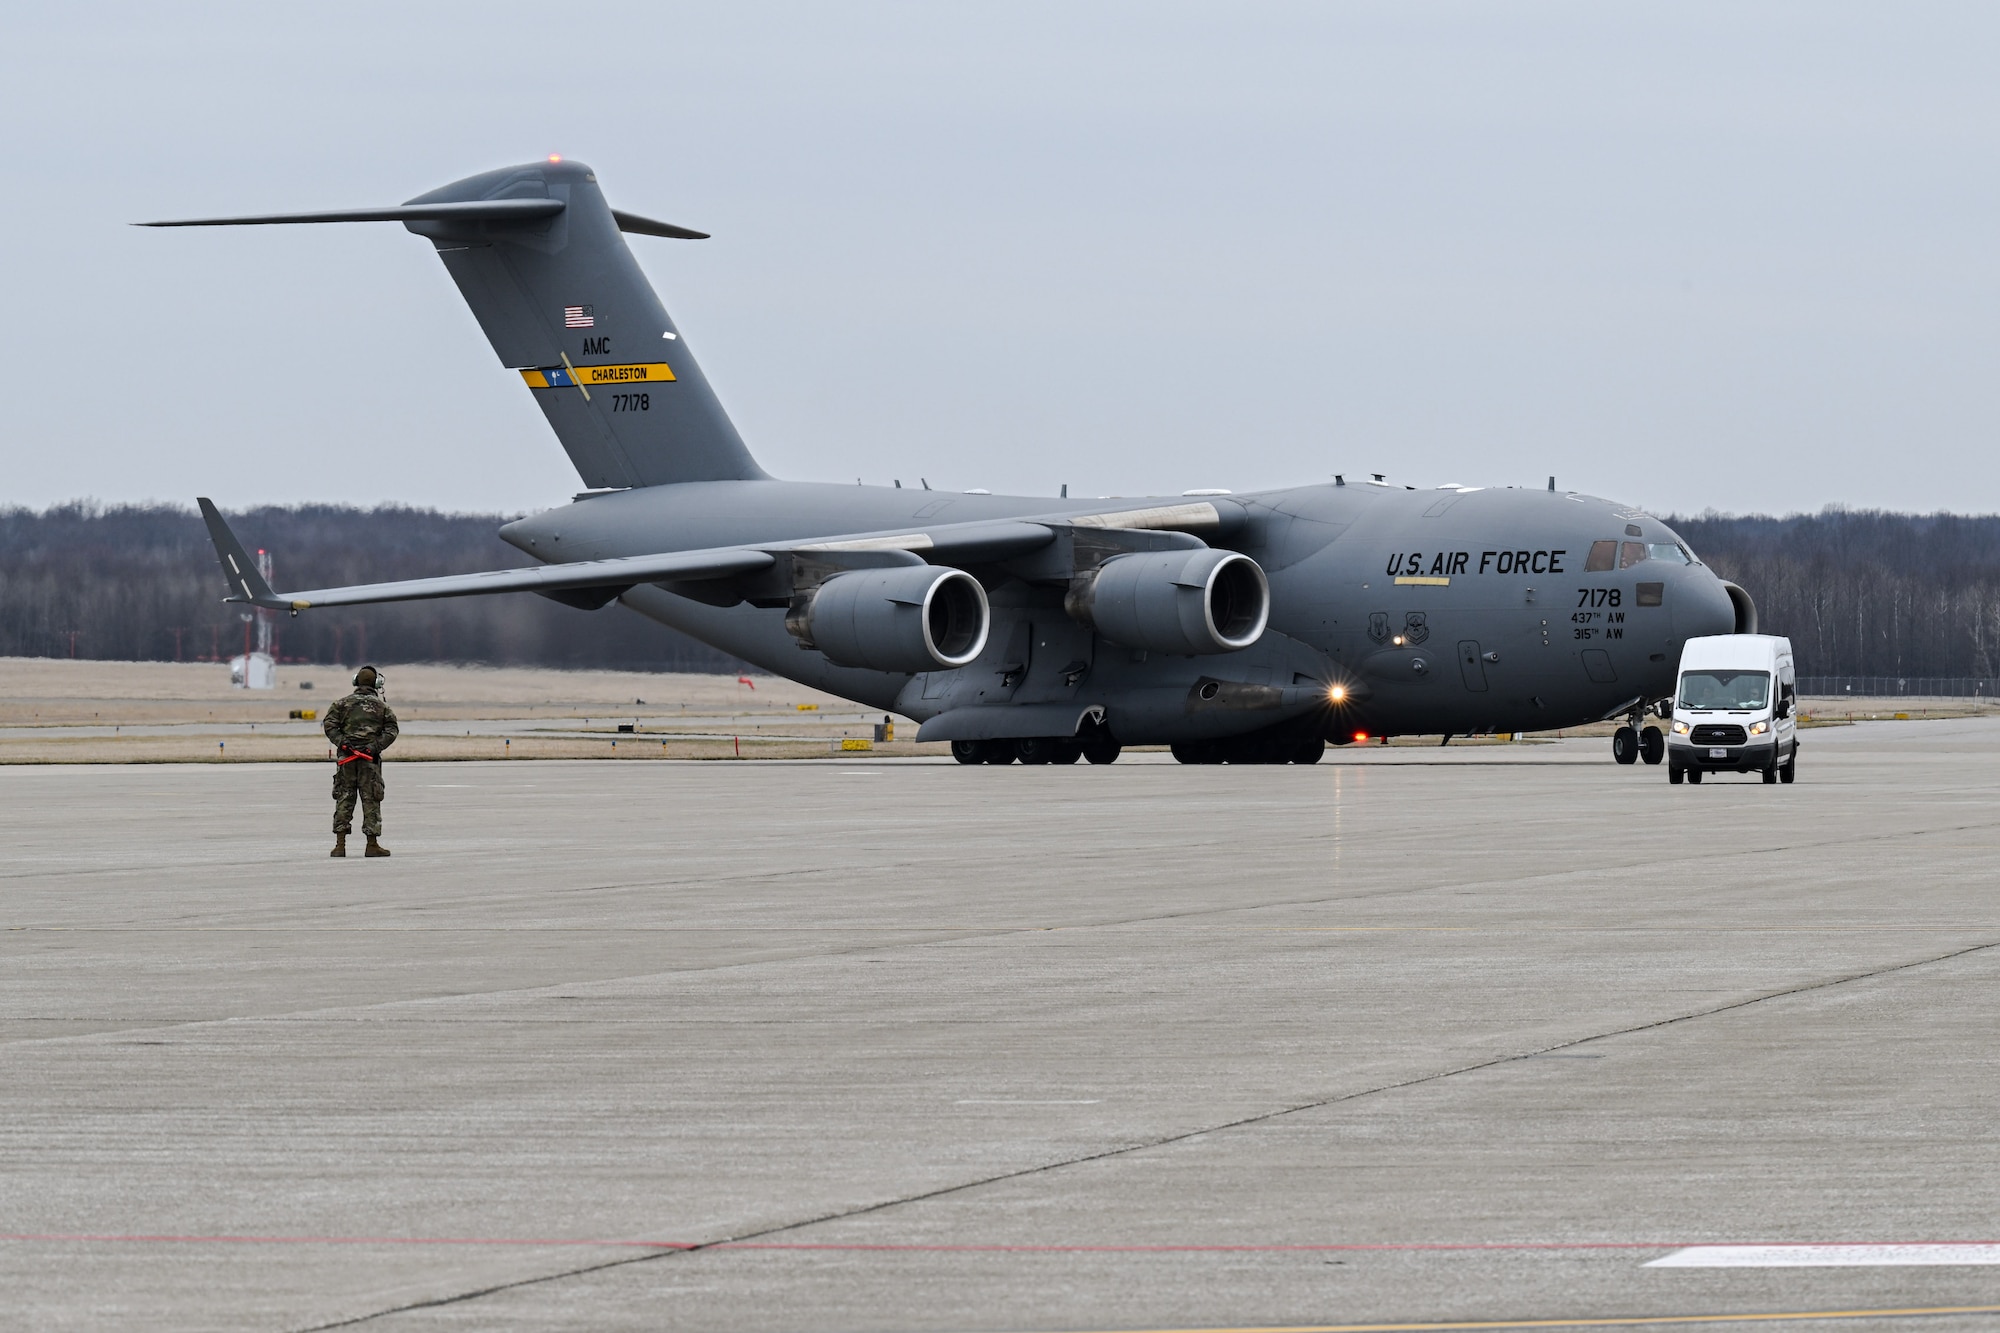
(1433, 611)
(1389, 610)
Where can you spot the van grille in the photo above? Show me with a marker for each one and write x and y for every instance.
(1718, 733)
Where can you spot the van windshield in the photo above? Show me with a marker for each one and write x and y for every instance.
(1737, 690)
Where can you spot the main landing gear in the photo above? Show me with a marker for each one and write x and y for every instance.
(1037, 750)
(1252, 750)
(1630, 743)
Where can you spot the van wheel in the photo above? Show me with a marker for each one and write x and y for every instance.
(1676, 774)
(1771, 775)
(1652, 745)
(1625, 746)
(1791, 768)
(1694, 776)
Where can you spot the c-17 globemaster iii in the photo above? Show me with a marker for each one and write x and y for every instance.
(1236, 628)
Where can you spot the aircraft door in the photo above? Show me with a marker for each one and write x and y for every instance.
(1471, 666)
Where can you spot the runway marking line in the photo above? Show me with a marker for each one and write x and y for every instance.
(1855, 1255)
(1633, 1321)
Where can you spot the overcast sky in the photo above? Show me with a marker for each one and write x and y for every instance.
(1690, 256)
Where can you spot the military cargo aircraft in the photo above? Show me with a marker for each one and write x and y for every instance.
(1248, 628)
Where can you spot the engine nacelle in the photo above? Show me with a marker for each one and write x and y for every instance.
(1188, 603)
(905, 618)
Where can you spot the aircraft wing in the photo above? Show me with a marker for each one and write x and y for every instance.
(947, 544)
(247, 585)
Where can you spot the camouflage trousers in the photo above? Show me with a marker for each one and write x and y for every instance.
(364, 779)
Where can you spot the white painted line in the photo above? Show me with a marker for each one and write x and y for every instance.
(1829, 1256)
(1015, 1101)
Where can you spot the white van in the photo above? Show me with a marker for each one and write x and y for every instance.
(1735, 709)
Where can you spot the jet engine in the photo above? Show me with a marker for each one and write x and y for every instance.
(1185, 602)
(905, 618)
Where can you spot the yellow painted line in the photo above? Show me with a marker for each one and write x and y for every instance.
(1638, 1321)
(1424, 581)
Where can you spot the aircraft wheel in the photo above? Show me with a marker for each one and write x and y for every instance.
(1625, 745)
(1101, 751)
(1309, 751)
(1002, 752)
(1676, 774)
(1694, 776)
(1066, 752)
(1195, 752)
(1652, 745)
(1037, 749)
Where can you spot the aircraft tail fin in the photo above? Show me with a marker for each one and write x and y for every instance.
(537, 254)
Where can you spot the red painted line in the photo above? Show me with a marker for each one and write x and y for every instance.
(1389, 1246)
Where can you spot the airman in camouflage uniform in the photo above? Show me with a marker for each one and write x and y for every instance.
(361, 727)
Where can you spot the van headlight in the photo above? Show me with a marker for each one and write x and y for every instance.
(1759, 728)
(1680, 727)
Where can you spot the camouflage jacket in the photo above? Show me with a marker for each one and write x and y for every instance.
(362, 721)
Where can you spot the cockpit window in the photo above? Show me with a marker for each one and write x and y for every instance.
(1630, 554)
(1735, 690)
(1667, 551)
(1603, 556)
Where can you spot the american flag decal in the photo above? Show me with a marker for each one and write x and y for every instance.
(578, 317)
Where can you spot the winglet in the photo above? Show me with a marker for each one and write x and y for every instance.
(246, 583)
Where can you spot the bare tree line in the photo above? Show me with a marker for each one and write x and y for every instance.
(1866, 592)
(1859, 592)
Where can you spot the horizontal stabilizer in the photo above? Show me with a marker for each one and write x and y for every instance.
(639, 226)
(471, 210)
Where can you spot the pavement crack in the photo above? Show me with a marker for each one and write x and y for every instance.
(1157, 1141)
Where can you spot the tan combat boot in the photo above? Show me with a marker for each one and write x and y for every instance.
(375, 848)
(339, 845)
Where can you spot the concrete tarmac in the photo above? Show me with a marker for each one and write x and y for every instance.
(904, 1045)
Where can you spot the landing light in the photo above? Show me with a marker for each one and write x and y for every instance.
(1337, 694)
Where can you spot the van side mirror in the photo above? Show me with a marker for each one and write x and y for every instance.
(1784, 708)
